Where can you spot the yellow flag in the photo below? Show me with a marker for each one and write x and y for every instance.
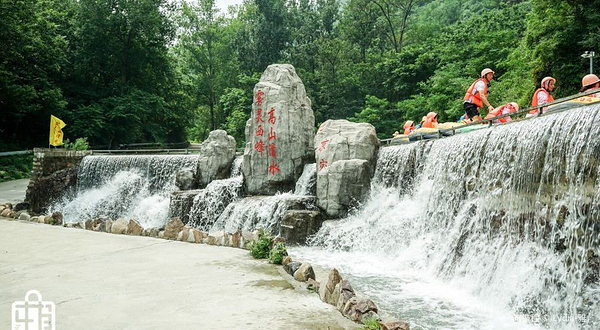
(56, 134)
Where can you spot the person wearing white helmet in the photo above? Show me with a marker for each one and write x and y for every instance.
(542, 96)
(590, 82)
(476, 95)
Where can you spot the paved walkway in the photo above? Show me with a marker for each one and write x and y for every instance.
(106, 281)
(13, 191)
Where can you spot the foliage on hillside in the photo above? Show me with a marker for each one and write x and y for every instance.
(124, 71)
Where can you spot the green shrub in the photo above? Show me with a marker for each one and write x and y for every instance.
(79, 144)
(261, 248)
(15, 167)
(277, 253)
(371, 324)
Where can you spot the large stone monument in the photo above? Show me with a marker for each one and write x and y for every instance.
(279, 133)
(346, 155)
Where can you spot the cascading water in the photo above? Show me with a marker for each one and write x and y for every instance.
(307, 183)
(211, 201)
(495, 229)
(135, 187)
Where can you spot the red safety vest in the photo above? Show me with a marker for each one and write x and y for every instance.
(476, 97)
(534, 100)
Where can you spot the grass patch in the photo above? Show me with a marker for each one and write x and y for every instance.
(371, 324)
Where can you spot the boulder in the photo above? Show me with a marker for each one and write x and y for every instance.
(174, 226)
(119, 226)
(191, 237)
(304, 273)
(6, 212)
(236, 239)
(24, 216)
(93, 224)
(326, 289)
(108, 225)
(48, 220)
(292, 267)
(346, 292)
(185, 179)
(21, 206)
(58, 218)
(101, 227)
(217, 153)
(394, 325)
(359, 309)
(343, 185)
(339, 186)
(279, 133)
(298, 225)
(2, 208)
(286, 260)
(134, 228)
(344, 140)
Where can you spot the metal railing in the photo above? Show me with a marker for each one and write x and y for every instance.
(14, 153)
(443, 132)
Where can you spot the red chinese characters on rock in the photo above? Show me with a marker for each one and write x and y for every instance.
(260, 131)
(323, 145)
(322, 128)
(272, 117)
(322, 164)
(259, 118)
(273, 168)
(272, 135)
(260, 147)
(259, 97)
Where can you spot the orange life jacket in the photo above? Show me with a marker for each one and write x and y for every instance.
(431, 122)
(534, 100)
(476, 97)
(409, 130)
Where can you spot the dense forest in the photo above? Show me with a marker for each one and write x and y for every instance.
(125, 71)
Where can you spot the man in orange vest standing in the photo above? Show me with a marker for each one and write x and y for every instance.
(542, 96)
(476, 95)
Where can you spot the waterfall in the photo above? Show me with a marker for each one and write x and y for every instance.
(263, 212)
(135, 187)
(307, 183)
(494, 229)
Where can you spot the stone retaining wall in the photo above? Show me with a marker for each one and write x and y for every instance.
(54, 174)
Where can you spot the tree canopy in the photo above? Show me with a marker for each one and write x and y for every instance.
(124, 71)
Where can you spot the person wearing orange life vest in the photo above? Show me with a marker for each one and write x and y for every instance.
(476, 95)
(409, 127)
(542, 96)
(502, 110)
(589, 82)
(431, 120)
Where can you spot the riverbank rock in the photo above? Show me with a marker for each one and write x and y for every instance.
(298, 225)
(108, 225)
(345, 292)
(279, 133)
(359, 309)
(174, 226)
(395, 325)
(346, 155)
(134, 228)
(217, 153)
(24, 216)
(292, 267)
(304, 273)
(58, 218)
(119, 226)
(326, 289)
